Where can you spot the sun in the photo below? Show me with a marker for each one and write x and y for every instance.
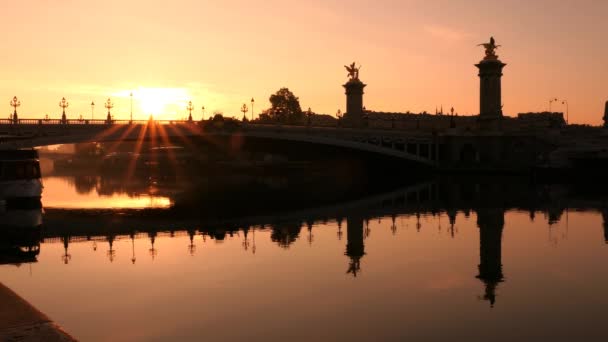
(162, 103)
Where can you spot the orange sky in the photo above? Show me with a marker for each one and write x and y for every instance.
(415, 54)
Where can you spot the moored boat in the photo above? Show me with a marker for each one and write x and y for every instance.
(20, 179)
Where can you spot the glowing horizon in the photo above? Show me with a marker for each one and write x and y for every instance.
(416, 55)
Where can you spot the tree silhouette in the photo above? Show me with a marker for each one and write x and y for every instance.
(285, 107)
(285, 234)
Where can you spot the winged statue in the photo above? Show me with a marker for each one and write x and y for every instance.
(353, 71)
(490, 48)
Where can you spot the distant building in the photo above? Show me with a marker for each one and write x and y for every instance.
(541, 120)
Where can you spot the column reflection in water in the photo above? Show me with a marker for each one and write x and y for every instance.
(355, 249)
(490, 223)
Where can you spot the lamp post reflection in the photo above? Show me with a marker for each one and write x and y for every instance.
(191, 246)
(66, 257)
(310, 236)
(253, 240)
(133, 259)
(111, 252)
(153, 251)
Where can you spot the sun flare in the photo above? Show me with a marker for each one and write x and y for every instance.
(162, 103)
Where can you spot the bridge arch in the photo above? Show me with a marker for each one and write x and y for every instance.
(389, 144)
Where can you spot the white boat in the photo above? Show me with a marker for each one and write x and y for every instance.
(20, 178)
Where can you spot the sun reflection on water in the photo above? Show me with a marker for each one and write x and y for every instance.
(65, 195)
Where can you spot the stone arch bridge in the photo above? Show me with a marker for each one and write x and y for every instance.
(460, 149)
(419, 148)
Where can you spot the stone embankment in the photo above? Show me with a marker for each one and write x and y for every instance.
(21, 322)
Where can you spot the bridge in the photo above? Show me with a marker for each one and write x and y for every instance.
(418, 147)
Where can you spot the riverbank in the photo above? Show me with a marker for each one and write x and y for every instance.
(20, 321)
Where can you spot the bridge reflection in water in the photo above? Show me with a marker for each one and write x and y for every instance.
(489, 200)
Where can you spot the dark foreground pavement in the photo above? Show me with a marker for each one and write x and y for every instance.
(20, 321)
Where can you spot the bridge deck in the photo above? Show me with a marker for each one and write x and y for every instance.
(32, 133)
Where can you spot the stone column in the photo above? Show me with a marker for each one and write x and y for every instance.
(490, 99)
(354, 102)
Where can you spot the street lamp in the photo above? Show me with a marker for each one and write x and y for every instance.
(92, 109)
(309, 116)
(252, 102)
(109, 105)
(15, 103)
(567, 110)
(190, 108)
(63, 104)
(244, 109)
(203, 111)
(131, 95)
(550, 102)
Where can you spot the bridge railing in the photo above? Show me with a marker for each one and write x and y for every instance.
(46, 121)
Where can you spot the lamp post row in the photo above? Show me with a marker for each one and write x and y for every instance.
(564, 102)
(15, 102)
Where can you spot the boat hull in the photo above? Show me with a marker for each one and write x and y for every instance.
(24, 193)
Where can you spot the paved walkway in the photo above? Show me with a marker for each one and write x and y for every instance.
(20, 321)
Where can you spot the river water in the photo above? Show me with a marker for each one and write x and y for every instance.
(492, 261)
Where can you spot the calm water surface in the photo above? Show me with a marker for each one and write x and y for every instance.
(486, 274)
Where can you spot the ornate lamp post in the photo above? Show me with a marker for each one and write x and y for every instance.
(567, 110)
(252, 102)
(339, 117)
(109, 105)
(309, 116)
(550, 102)
(131, 95)
(15, 103)
(190, 108)
(64, 104)
(244, 109)
(452, 122)
(203, 111)
(92, 109)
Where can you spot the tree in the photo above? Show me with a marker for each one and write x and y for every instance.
(285, 107)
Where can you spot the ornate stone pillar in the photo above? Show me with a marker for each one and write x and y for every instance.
(354, 102)
(490, 73)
